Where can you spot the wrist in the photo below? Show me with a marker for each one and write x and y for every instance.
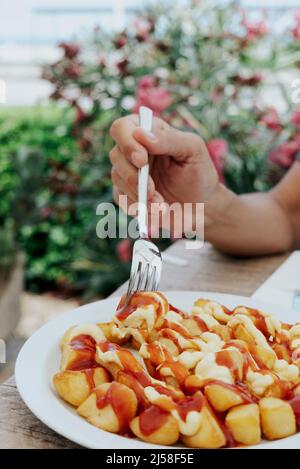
(218, 208)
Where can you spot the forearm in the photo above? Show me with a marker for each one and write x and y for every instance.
(251, 224)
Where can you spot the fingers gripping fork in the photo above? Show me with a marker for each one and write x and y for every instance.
(146, 260)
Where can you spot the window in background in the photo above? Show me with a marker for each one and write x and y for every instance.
(31, 29)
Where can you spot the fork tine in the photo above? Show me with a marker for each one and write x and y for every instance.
(148, 278)
(152, 281)
(130, 284)
(155, 283)
(145, 276)
(139, 276)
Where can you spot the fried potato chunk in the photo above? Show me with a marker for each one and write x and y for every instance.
(277, 418)
(264, 357)
(110, 407)
(221, 397)
(108, 329)
(75, 386)
(209, 435)
(166, 433)
(244, 423)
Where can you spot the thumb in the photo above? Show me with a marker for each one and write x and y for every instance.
(165, 140)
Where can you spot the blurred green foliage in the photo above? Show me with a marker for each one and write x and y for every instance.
(48, 199)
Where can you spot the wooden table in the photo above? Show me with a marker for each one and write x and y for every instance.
(207, 270)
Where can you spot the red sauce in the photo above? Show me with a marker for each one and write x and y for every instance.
(152, 419)
(202, 325)
(189, 404)
(178, 328)
(178, 311)
(249, 362)
(128, 378)
(136, 300)
(260, 322)
(108, 346)
(169, 334)
(144, 380)
(167, 391)
(295, 404)
(285, 388)
(127, 359)
(227, 311)
(85, 347)
(224, 358)
(90, 377)
(158, 354)
(240, 389)
(287, 326)
(230, 441)
(177, 368)
(129, 362)
(124, 312)
(117, 397)
(83, 342)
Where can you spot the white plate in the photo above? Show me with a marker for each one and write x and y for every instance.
(40, 357)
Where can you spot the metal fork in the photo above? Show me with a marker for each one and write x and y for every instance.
(146, 259)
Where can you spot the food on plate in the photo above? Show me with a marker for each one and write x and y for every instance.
(76, 386)
(155, 425)
(211, 379)
(110, 406)
(277, 418)
(243, 422)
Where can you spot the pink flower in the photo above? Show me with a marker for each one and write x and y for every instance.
(152, 95)
(254, 30)
(284, 154)
(295, 119)
(147, 81)
(121, 40)
(70, 50)
(124, 250)
(122, 66)
(271, 120)
(142, 28)
(80, 115)
(296, 29)
(218, 149)
(73, 70)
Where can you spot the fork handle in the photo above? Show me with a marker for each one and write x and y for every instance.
(145, 115)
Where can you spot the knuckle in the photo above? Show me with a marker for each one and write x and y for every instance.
(128, 149)
(113, 155)
(131, 180)
(195, 142)
(115, 127)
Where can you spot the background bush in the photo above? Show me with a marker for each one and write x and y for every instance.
(204, 68)
(56, 229)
